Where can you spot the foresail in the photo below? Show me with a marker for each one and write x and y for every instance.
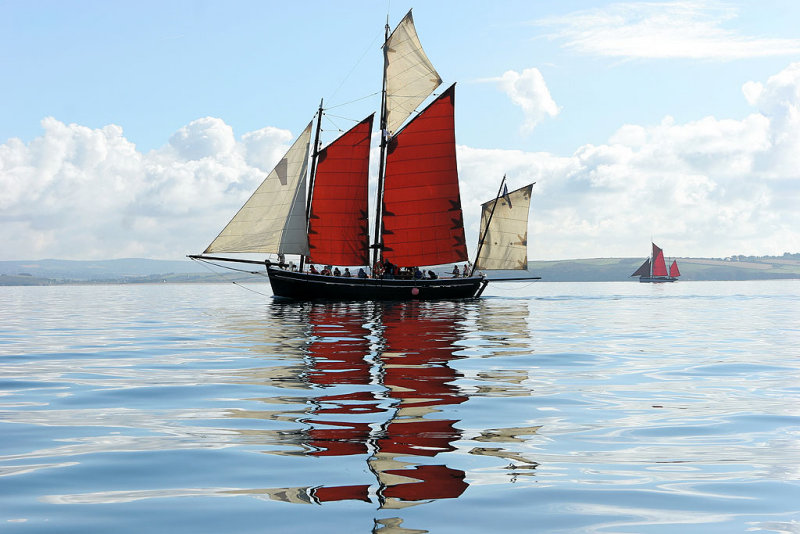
(644, 269)
(337, 229)
(273, 219)
(422, 219)
(505, 242)
(410, 76)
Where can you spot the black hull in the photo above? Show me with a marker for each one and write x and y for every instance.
(657, 279)
(304, 286)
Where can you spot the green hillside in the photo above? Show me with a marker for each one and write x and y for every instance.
(620, 269)
(139, 271)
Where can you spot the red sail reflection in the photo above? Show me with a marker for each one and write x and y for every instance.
(418, 347)
(409, 383)
(337, 355)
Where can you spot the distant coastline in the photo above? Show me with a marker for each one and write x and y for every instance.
(146, 271)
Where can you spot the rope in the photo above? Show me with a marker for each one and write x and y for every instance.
(354, 101)
(250, 289)
(358, 62)
(234, 282)
(516, 288)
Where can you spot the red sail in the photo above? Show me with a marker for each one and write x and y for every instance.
(659, 266)
(673, 269)
(337, 230)
(422, 220)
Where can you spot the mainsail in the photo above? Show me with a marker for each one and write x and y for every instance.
(337, 226)
(409, 74)
(504, 225)
(422, 219)
(273, 219)
(659, 266)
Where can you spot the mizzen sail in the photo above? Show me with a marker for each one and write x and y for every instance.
(337, 228)
(410, 76)
(504, 225)
(422, 219)
(673, 269)
(273, 219)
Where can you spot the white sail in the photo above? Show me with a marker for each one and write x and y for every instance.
(410, 76)
(505, 245)
(273, 219)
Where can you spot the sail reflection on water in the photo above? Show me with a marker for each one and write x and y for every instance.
(419, 344)
(377, 377)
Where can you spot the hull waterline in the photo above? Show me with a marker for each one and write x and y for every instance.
(657, 279)
(305, 286)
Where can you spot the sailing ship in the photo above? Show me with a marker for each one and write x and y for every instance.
(318, 209)
(654, 268)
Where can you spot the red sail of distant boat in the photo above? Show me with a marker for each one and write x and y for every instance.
(659, 266)
(644, 269)
(337, 226)
(422, 219)
(673, 269)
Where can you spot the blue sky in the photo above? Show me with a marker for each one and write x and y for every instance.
(137, 129)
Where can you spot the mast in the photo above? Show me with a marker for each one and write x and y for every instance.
(377, 246)
(488, 222)
(312, 175)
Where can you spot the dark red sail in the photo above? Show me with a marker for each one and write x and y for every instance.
(422, 220)
(337, 229)
(659, 266)
(644, 269)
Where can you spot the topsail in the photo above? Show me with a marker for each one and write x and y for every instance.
(410, 76)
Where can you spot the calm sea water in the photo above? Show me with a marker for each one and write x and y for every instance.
(546, 407)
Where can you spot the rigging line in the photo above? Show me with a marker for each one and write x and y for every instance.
(355, 100)
(224, 267)
(358, 62)
(517, 288)
(237, 284)
(342, 117)
(335, 126)
(206, 264)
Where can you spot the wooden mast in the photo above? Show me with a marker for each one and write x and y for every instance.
(313, 174)
(377, 244)
(488, 222)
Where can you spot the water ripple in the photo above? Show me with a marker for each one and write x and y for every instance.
(572, 407)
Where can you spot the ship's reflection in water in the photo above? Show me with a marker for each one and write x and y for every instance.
(387, 369)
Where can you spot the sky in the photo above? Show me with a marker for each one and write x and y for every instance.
(137, 129)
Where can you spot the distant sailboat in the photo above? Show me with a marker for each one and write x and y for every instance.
(318, 211)
(654, 269)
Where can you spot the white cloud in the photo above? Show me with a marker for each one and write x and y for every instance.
(528, 90)
(678, 29)
(80, 193)
(201, 138)
(708, 187)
